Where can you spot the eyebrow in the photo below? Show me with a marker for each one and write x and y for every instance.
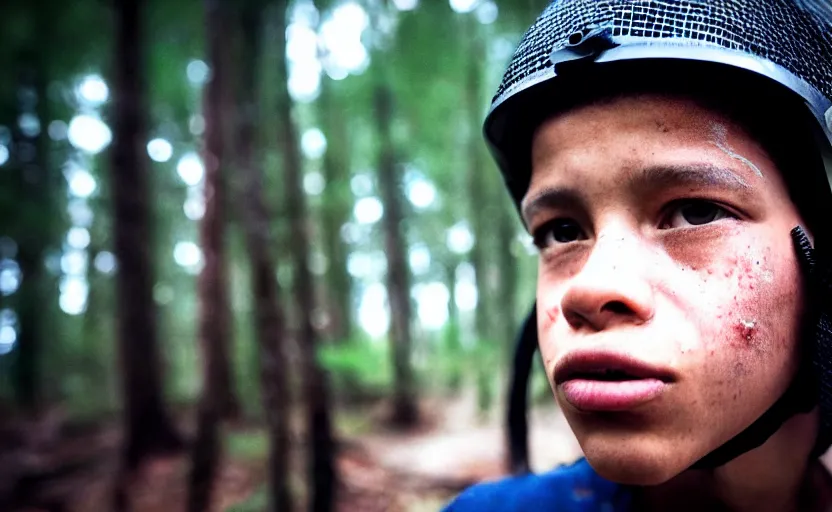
(646, 180)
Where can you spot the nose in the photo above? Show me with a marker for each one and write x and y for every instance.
(612, 288)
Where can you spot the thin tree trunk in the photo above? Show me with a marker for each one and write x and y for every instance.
(319, 429)
(214, 314)
(268, 316)
(405, 411)
(507, 264)
(218, 399)
(32, 240)
(148, 429)
(336, 210)
(478, 209)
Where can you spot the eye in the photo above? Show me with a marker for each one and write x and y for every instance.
(694, 212)
(558, 231)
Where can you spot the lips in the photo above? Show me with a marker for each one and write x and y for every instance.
(607, 381)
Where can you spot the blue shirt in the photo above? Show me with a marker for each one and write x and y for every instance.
(575, 488)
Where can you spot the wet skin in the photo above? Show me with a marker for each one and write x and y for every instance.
(663, 230)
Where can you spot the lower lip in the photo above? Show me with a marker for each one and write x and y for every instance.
(597, 395)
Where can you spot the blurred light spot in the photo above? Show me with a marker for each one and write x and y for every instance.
(4, 154)
(528, 243)
(318, 263)
(187, 254)
(314, 183)
(78, 238)
(105, 262)
(336, 72)
(159, 150)
(465, 294)
(432, 304)
(89, 133)
(57, 130)
(419, 259)
(74, 263)
(361, 185)
(501, 49)
(81, 183)
(405, 5)
(80, 213)
(8, 247)
(350, 233)
(460, 240)
(373, 311)
(10, 276)
(8, 317)
(29, 124)
(5, 135)
(73, 299)
(368, 210)
(304, 12)
(313, 143)
(196, 125)
(304, 80)
(194, 208)
(421, 193)
(190, 169)
(93, 90)
(487, 12)
(163, 294)
(463, 5)
(197, 72)
(301, 43)
(341, 37)
(350, 14)
(367, 265)
(8, 338)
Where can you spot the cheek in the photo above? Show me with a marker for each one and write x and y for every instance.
(753, 295)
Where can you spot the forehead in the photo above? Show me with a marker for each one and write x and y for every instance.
(630, 132)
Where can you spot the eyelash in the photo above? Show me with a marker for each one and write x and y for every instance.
(540, 234)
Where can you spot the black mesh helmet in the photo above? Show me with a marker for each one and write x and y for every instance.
(783, 42)
(773, 56)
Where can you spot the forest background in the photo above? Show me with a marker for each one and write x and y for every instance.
(254, 254)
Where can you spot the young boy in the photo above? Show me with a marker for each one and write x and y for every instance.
(670, 160)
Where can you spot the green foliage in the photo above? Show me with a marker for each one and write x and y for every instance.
(257, 502)
(247, 445)
(360, 368)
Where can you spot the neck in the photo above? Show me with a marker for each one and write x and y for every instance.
(779, 476)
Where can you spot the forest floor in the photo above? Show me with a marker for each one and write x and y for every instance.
(380, 470)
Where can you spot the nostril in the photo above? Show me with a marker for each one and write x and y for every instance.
(617, 307)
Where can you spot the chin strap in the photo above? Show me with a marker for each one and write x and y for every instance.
(806, 390)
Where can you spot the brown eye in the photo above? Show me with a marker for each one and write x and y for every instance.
(558, 231)
(694, 213)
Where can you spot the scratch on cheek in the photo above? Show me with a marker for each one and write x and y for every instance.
(720, 133)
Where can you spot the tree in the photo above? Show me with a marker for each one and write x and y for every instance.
(322, 475)
(218, 399)
(337, 202)
(405, 411)
(148, 428)
(268, 314)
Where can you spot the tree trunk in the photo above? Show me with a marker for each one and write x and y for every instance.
(507, 265)
(148, 429)
(477, 182)
(214, 313)
(405, 411)
(337, 203)
(33, 238)
(218, 399)
(321, 444)
(480, 212)
(268, 316)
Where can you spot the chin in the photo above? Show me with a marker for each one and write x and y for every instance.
(634, 462)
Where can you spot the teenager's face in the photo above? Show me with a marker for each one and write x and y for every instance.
(666, 262)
